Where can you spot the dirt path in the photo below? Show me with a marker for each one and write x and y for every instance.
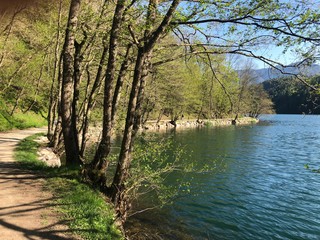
(25, 210)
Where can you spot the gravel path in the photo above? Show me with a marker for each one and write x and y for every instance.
(25, 210)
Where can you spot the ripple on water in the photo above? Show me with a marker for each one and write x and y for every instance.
(264, 192)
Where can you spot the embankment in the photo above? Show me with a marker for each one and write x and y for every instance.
(193, 123)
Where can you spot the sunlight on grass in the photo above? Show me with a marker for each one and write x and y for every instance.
(86, 211)
(20, 120)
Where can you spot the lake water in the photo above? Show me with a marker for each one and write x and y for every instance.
(260, 191)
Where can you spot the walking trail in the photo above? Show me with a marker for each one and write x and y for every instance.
(25, 209)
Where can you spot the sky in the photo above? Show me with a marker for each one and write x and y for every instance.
(275, 53)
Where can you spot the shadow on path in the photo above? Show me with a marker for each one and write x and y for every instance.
(25, 210)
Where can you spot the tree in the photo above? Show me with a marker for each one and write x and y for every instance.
(171, 57)
(25, 56)
(69, 129)
(118, 188)
(106, 43)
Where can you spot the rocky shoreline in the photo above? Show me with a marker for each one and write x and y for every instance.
(194, 123)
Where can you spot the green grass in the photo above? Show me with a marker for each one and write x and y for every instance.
(20, 120)
(27, 120)
(6, 121)
(85, 209)
(26, 154)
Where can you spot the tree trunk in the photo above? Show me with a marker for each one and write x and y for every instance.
(118, 190)
(91, 99)
(17, 101)
(56, 67)
(69, 135)
(120, 79)
(76, 90)
(99, 164)
(147, 67)
(57, 138)
(117, 193)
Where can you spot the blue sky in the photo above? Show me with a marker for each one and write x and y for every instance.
(275, 53)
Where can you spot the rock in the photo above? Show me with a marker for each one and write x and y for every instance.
(46, 154)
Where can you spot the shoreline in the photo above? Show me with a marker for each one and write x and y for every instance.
(194, 123)
(94, 133)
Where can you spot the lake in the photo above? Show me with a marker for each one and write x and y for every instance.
(260, 189)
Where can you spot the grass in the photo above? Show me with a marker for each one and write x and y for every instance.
(5, 121)
(20, 120)
(85, 209)
(26, 154)
(29, 119)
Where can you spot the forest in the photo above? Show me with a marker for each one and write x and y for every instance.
(291, 96)
(117, 64)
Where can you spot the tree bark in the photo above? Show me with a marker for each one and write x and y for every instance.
(117, 193)
(100, 163)
(118, 190)
(69, 135)
(56, 67)
(138, 118)
(120, 79)
(91, 99)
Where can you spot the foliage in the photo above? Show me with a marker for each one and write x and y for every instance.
(6, 121)
(259, 102)
(290, 96)
(27, 120)
(151, 165)
(26, 55)
(19, 120)
(85, 209)
(155, 161)
(191, 89)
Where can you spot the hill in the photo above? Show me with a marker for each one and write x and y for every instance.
(264, 74)
(291, 96)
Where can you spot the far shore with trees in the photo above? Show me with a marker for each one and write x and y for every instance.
(119, 64)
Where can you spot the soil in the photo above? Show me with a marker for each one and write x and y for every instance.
(26, 210)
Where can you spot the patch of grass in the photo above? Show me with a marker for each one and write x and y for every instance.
(84, 208)
(87, 212)
(26, 154)
(20, 120)
(5, 123)
(27, 120)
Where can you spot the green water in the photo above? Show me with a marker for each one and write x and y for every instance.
(261, 191)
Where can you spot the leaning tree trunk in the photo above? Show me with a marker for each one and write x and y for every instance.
(123, 70)
(118, 195)
(117, 190)
(57, 139)
(69, 133)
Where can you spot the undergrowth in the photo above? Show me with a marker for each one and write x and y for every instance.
(20, 120)
(85, 209)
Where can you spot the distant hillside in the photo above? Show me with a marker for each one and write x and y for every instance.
(291, 96)
(264, 74)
